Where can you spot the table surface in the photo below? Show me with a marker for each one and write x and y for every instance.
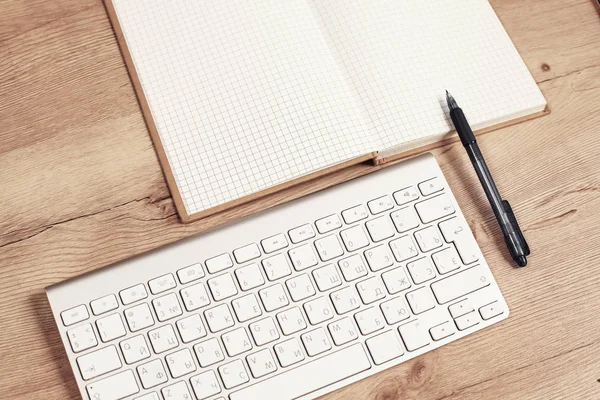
(82, 188)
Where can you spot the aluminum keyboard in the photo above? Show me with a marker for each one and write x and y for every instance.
(292, 303)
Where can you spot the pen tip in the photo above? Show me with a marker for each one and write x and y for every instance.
(451, 102)
(521, 261)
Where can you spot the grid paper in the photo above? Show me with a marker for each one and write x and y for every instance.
(401, 56)
(245, 94)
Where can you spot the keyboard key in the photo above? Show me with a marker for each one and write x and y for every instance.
(395, 310)
(309, 377)
(303, 257)
(380, 205)
(442, 331)
(431, 186)
(491, 310)
(222, 287)
(190, 273)
(110, 327)
(429, 238)
(403, 248)
(176, 391)
(246, 307)
(291, 321)
(276, 267)
(379, 257)
(460, 284)
(162, 284)
(345, 300)
(134, 349)
(384, 347)
(74, 315)
(328, 224)
(301, 233)
(261, 363)
(461, 308)
(300, 287)
(104, 304)
(371, 290)
(380, 228)
(457, 232)
(167, 307)
(316, 342)
(352, 267)
(405, 219)
(233, 374)
(414, 335)
(369, 320)
(249, 277)
(133, 294)
(264, 331)
(342, 331)
(219, 263)
(191, 328)
(318, 310)
(329, 247)
(236, 342)
(446, 260)
(152, 374)
(354, 214)
(354, 238)
(421, 270)
(218, 318)
(205, 385)
(195, 297)
(246, 253)
(274, 243)
(434, 208)
(327, 277)
(406, 195)
(209, 352)
(466, 321)
(289, 352)
(273, 297)
(139, 317)
(163, 339)
(99, 362)
(420, 300)
(115, 387)
(180, 363)
(82, 338)
(395, 280)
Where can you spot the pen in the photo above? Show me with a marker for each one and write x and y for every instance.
(515, 241)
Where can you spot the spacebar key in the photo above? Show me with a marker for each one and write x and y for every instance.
(308, 377)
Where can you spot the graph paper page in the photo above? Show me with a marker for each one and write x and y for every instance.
(245, 94)
(401, 56)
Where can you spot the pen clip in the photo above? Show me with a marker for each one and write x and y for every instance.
(516, 227)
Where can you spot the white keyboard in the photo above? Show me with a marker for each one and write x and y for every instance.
(292, 303)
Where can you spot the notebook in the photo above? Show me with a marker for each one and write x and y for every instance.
(244, 98)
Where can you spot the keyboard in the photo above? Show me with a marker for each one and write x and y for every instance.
(291, 303)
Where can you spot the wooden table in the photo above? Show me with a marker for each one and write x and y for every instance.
(82, 188)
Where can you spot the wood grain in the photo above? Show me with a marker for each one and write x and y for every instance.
(82, 188)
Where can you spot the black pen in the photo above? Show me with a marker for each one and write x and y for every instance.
(515, 241)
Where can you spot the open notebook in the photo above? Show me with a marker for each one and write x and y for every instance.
(245, 97)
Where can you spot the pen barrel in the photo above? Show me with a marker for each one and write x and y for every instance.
(489, 187)
(462, 127)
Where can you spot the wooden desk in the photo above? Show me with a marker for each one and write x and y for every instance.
(82, 188)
